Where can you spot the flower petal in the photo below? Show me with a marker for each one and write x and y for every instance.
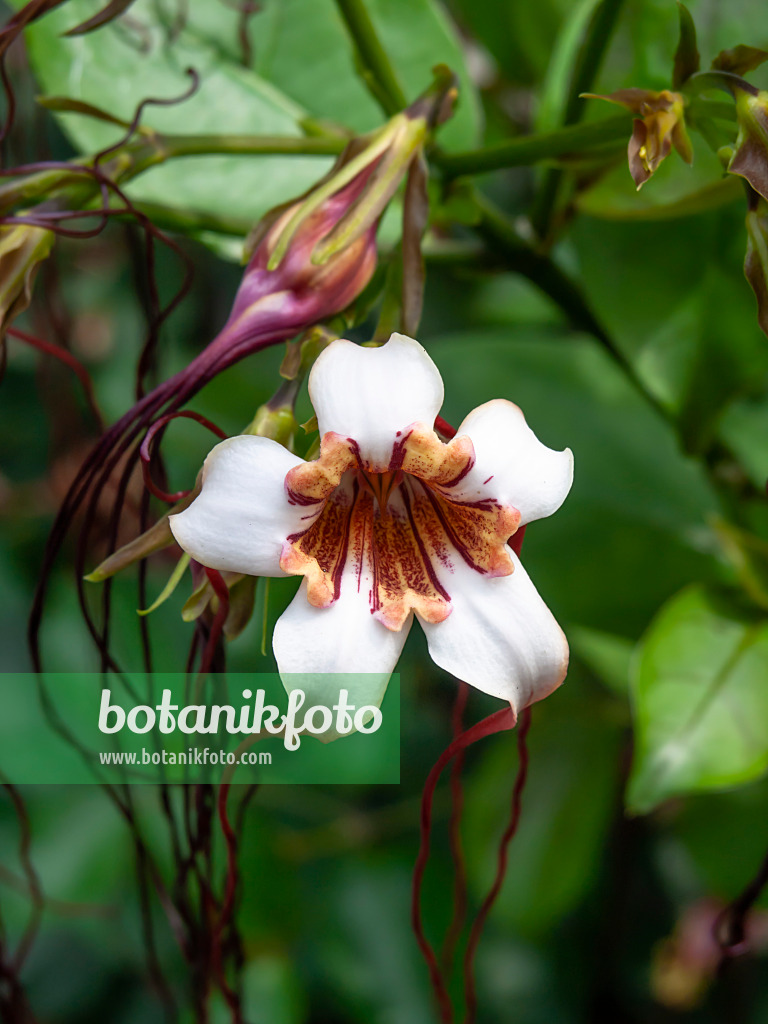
(242, 516)
(511, 464)
(500, 637)
(314, 647)
(372, 394)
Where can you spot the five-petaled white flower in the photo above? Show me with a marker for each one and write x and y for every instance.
(390, 522)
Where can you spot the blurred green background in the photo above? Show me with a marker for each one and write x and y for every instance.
(597, 883)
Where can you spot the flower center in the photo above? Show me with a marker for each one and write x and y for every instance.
(394, 534)
(380, 485)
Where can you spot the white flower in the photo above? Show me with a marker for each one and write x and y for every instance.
(390, 522)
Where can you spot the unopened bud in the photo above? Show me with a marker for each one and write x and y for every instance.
(750, 156)
(309, 259)
(22, 248)
(278, 424)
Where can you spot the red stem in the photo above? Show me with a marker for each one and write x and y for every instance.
(217, 626)
(470, 994)
(497, 722)
(457, 854)
(145, 451)
(69, 360)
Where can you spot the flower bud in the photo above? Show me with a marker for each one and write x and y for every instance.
(750, 156)
(310, 258)
(756, 259)
(22, 248)
(659, 126)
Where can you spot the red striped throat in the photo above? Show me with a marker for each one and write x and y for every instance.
(395, 532)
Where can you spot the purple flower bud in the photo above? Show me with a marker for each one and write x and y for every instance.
(299, 292)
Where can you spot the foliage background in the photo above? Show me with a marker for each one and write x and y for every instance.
(592, 890)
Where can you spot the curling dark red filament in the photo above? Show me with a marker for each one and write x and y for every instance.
(470, 995)
(66, 357)
(146, 450)
(217, 627)
(497, 722)
(228, 904)
(457, 854)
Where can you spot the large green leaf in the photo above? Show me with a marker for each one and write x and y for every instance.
(701, 701)
(114, 69)
(303, 47)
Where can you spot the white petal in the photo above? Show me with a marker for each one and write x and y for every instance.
(511, 464)
(371, 394)
(313, 646)
(242, 516)
(500, 637)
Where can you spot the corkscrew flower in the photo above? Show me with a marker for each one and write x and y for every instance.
(390, 522)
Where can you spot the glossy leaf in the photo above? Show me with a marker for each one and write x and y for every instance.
(701, 703)
(415, 34)
(105, 69)
(687, 59)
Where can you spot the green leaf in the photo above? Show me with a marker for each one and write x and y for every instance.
(701, 703)
(687, 59)
(107, 70)
(565, 53)
(293, 50)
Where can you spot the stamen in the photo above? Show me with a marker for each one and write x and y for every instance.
(380, 485)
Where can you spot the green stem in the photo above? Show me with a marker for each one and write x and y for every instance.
(250, 145)
(585, 70)
(147, 151)
(381, 78)
(530, 149)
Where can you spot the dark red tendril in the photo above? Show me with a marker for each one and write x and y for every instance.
(145, 451)
(499, 721)
(66, 357)
(470, 993)
(457, 854)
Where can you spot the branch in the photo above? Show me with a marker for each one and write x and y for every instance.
(378, 73)
(530, 149)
